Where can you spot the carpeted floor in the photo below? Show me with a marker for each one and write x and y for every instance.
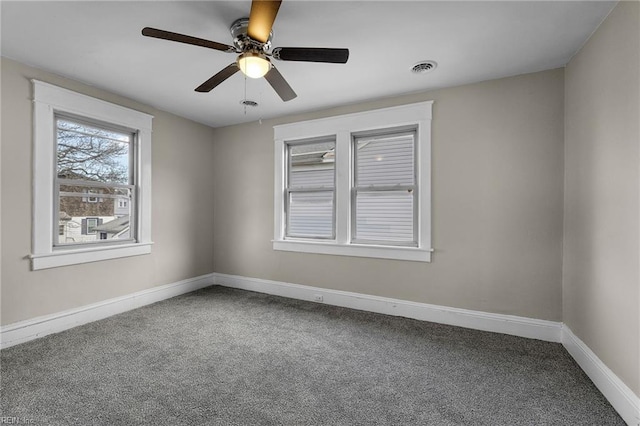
(229, 357)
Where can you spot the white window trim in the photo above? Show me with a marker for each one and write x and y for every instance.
(418, 115)
(47, 101)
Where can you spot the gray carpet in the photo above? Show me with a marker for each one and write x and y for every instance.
(229, 357)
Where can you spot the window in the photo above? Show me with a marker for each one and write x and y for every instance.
(90, 225)
(363, 189)
(92, 179)
(310, 190)
(384, 189)
(94, 163)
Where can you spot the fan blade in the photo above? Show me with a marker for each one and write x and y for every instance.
(263, 14)
(311, 54)
(224, 74)
(181, 38)
(279, 84)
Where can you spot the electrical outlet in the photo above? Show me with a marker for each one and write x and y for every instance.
(317, 298)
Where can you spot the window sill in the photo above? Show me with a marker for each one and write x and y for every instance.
(358, 250)
(86, 255)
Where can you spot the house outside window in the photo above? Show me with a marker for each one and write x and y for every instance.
(356, 185)
(92, 179)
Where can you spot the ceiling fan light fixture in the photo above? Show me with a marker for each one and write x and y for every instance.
(253, 64)
(252, 41)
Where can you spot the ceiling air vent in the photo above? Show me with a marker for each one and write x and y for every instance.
(424, 67)
(249, 103)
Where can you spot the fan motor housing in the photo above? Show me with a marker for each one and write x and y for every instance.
(242, 41)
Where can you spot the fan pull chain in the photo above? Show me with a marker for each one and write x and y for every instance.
(260, 105)
(244, 101)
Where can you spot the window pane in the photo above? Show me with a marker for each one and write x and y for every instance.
(384, 216)
(91, 214)
(312, 165)
(89, 153)
(310, 214)
(388, 161)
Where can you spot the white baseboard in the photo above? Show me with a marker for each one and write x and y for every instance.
(34, 328)
(507, 324)
(626, 403)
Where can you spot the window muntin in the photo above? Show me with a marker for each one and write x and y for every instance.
(94, 177)
(310, 189)
(384, 191)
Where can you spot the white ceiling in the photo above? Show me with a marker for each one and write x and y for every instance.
(99, 43)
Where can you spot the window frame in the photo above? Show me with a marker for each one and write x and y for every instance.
(344, 127)
(50, 101)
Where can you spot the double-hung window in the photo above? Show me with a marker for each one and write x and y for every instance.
(384, 192)
(356, 185)
(92, 179)
(95, 176)
(310, 190)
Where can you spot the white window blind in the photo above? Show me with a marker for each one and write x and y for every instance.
(384, 191)
(310, 199)
(311, 214)
(301, 178)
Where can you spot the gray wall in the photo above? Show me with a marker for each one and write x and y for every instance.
(601, 300)
(182, 200)
(497, 204)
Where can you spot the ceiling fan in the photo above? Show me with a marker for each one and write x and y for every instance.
(252, 41)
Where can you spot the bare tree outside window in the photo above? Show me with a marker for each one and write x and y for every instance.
(92, 154)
